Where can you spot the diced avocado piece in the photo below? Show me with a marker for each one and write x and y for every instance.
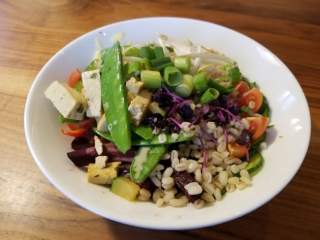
(125, 188)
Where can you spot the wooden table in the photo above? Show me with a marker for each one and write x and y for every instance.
(32, 31)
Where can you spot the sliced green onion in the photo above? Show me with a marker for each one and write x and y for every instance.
(183, 64)
(172, 76)
(209, 95)
(200, 82)
(146, 52)
(151, 79)
(131, 51)
(158, 52)
(186, 87)
(134, 67)
(161, 63)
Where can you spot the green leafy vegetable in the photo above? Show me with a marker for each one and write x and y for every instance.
(161, 63)
(255, 164)
(62, 119)
(146, 52)
(222, 89)
(158, 52)
(247, 110)
(255, 147)
(265, 109)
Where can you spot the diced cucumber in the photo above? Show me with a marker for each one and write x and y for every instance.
(255, 164)
(125, 188)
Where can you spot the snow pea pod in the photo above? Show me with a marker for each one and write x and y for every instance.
(114, 98)
(145, 161)
(105, 135)
(163, 139)
(143, 131)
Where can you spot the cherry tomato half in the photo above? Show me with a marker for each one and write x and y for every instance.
(74, 78)
(257, 126)
(252, 99)
(241, 88)
(74, 132)
(237, 150)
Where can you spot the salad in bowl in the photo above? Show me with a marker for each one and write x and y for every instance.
(169, 122)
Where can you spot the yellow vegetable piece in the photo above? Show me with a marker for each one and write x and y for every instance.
(125, 188)
(102, 176)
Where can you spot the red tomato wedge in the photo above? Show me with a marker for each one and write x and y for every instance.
(237, 150)
(252, 97)
(241, 88)
(74, 132)
(257, 126)
(74, 78)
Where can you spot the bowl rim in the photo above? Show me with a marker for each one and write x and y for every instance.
(121, 219)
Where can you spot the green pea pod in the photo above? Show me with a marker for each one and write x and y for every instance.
(143, 131)
(163, 139)
(114, 98)
(105, 135)
(145, 161)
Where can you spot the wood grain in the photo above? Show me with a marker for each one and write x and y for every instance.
(32, 31)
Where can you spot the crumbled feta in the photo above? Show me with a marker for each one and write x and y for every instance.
(101, 161)
(92, 92)
(133, 85)
(98, 145)
(138, 106)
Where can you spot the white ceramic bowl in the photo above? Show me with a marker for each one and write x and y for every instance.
(290, 115)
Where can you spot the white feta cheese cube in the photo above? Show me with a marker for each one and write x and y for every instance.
(65, 101)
